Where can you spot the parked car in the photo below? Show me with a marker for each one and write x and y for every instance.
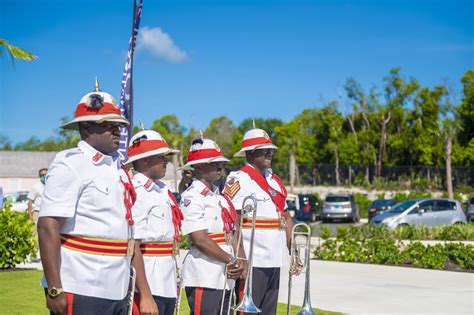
(425, 211)
(309, 208)
(293, 204)
(342, 206)
(19, 200)
(379, 206)
(470, 209)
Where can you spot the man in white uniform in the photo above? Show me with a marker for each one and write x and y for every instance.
(85, 219)
(273, 223)
(157, 225)
(34, 200)
(209, 219)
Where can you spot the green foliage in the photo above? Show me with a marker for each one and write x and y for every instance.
(431, 257)
(400, 196)
(16, 237)
(381, 246)
(457, 232)
(364, 204)
(14, 52)
(462, 254)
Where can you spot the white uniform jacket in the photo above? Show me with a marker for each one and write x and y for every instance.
(84, 187)
(153, 223)
(202, 211)
(270, 249)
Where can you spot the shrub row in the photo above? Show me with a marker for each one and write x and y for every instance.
(380, 248)
(458, 232)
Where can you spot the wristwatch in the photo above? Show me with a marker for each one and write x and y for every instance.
(54, 292)
(232, 260)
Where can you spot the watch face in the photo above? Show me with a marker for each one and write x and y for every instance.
(53, 292)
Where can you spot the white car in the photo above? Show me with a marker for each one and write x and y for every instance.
(19, 200)
(426, 211)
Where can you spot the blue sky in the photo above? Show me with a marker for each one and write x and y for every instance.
(204, 59)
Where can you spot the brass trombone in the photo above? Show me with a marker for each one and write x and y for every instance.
(247, 305)
(300, 231)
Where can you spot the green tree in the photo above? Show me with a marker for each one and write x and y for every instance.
(14, 52)
(222, 131)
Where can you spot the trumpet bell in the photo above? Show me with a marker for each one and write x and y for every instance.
(247, 306)
(306, 311)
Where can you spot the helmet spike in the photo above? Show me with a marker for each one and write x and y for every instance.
(200, 132)
(253, 123)
(142, 126)
(96, 85)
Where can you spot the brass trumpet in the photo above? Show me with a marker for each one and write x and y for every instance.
(300, 231)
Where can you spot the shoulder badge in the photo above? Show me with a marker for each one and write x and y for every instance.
(148, 184)
(205, 191)
(272, 192)
(231, 188)
(96, 158)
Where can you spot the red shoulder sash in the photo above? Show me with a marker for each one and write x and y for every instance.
(277, 197)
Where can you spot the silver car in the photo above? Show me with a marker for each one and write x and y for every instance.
(426, 211)
(341, 206)
(470, 209)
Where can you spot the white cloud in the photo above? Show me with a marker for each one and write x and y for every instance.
(160, 45)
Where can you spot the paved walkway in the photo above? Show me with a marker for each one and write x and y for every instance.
(373, 289)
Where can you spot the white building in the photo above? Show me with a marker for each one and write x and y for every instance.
(19, 170)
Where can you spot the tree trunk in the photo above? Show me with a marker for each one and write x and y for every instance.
(292, 170)
(383, 138)
(175, 169)
(350, 175)
(314, 174)
(338, 180)
(448, 145)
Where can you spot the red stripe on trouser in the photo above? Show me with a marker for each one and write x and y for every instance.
(198, 301)
(136, 304)
(70, 300)
(241, 293)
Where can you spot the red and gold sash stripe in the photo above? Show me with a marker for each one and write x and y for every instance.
(98, 246)
(218, 238)
(262, 224)
(157, 249)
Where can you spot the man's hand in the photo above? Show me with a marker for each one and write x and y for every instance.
(234, 271)
(148, 306)
(58, 305)
(245, 272)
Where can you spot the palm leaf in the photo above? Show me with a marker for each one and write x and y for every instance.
(16, 52)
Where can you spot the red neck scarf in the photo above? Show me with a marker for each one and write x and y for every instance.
(229, 216)
(129, 196)
(277, 197)
(177, 216)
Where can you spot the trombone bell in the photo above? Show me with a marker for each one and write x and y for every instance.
(247, 306)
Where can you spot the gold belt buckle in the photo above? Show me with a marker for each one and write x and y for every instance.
(282, 223)
(130, 247)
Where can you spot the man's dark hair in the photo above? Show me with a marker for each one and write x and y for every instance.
(41, 170)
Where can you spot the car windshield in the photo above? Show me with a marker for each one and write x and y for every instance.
(337, 199)
(381, 202)
(402, 206)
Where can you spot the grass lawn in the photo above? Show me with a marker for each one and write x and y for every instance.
(21, 293)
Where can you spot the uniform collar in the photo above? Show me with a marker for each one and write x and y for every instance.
(268, 171)
(147, 182)
(97, 157)
(203, 189)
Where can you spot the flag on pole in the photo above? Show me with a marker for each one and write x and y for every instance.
(126, 95)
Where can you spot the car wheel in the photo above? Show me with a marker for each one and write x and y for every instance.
(458, 223)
